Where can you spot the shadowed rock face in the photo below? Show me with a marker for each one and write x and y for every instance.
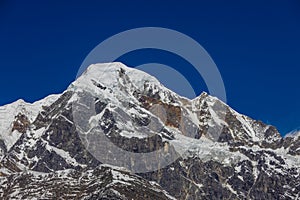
(223, 155)
(21, 123)
(195, 179)
(100, 183)
(293, 144)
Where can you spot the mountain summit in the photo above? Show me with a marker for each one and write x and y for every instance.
(117, 133)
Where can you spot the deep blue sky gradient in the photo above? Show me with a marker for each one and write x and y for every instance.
(255, 44)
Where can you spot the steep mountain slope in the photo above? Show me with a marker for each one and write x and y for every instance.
(103, 182)
(17, 116)
(188, 149)
(292, 143)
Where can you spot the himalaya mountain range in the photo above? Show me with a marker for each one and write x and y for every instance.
(118, 133)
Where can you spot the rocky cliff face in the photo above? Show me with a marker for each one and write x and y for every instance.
(168, 147)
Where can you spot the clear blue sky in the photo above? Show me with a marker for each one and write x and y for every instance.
(255, 44)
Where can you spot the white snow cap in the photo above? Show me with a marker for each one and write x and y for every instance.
(108, 73)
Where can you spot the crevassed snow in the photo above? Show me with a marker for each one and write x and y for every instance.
(206, 150)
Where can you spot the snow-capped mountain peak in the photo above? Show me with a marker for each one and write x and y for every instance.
(219, 152)
(11, 114)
